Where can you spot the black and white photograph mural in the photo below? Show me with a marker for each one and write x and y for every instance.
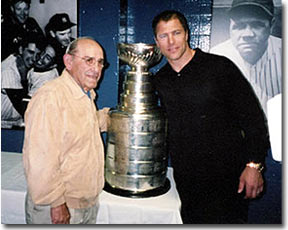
(250, 35)
(35, 35)
(249, 32)
(253, 43)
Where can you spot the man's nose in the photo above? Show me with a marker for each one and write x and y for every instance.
(24, 12)
(171, 39)
(35, 57)
(67, 37)
(248, 31)
(96, 67)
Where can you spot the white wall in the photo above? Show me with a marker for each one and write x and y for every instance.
(42, 12)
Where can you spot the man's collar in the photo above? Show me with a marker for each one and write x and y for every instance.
(77, 91)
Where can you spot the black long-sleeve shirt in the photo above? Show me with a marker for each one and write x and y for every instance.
(215, 126)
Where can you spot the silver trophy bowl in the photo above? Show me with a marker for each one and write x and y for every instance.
(140, 55)
(136, 159)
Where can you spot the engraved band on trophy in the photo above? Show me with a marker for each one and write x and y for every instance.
(136, 158)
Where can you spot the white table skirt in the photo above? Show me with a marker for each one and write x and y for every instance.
(163, 209)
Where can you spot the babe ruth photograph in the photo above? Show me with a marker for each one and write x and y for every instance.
(249, 33)
(35, 35)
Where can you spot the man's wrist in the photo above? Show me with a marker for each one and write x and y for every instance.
(258, 166)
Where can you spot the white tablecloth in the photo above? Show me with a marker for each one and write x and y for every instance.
(163, 209)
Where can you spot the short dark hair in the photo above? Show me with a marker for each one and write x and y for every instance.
(13, 2)
(168, 15)
(35, 38)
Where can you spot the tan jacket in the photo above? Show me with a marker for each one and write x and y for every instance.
(63, 153)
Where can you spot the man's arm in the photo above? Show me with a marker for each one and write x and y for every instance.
(42, 150)
(248, 111)
(104, 119)
(251, 179)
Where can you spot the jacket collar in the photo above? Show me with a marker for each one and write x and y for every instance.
(76, 90)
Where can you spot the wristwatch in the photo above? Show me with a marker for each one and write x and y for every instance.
(258, 166)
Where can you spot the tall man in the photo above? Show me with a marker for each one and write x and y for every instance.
(58, 32)
(63, 152)
(252, 47)
(216, 130)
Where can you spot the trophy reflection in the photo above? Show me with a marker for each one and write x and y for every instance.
(136, 157)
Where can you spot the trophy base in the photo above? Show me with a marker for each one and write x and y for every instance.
(150, 193)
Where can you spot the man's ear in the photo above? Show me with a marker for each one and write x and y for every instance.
(155, 39)
(53, 35)
(12, 9)
(68, 60)
(20, 50)
(273, 20)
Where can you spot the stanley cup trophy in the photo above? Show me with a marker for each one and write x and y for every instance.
(136, 158)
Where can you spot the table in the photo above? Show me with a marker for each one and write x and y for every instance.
(163, 209)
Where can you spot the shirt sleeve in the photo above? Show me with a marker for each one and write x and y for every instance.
(10, 79)
(41, 151)
(246, 107)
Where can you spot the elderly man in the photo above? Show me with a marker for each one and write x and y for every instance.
(58, 32)
(17, 26)
(64, 162)
(253, 49)
(14, 83)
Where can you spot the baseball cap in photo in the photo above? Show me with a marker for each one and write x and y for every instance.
(60, 22)
(266, 5)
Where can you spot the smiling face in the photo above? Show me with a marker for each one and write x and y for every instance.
(21, 11)
(46, 58)
(29, 54)
(172, 40)
(63, 37)
(250, 35)
(85, 72)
